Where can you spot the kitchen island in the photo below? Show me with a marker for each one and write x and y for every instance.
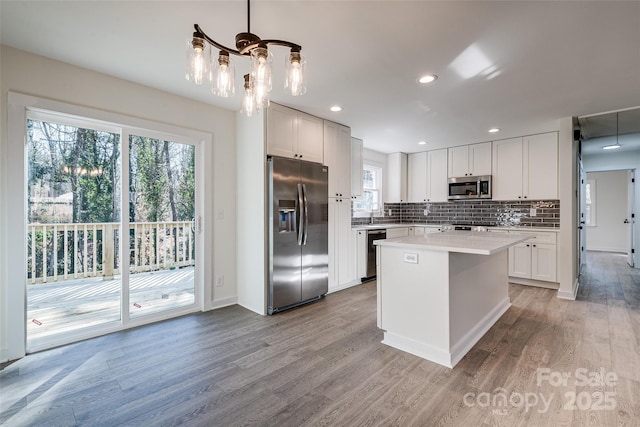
(438, 294)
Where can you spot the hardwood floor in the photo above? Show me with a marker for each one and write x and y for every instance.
(323, 364)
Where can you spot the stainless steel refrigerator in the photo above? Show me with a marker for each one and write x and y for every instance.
(298, 208)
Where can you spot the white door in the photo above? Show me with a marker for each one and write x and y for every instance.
(582, 227)
(630, 216)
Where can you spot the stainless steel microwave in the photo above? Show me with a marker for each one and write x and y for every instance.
(469, 187)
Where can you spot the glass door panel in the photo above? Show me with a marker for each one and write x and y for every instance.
(161, 235)
(73, 216)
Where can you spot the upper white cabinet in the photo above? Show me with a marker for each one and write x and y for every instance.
(526, 168)
(417, 177)
(437, 175)
(470, 160)
(427, 176)
(294, 134)
(356, 168)
(396, 191)
(337, 156)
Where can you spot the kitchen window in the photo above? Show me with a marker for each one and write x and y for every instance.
(371, 201)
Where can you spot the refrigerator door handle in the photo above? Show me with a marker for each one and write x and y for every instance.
(306, 214)
(300, 209)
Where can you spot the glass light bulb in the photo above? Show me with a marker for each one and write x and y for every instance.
(249, 106)
(295, 76)
(261, 60)
(223, 78)
(198, 58)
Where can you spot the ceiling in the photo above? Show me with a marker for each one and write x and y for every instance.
(622, 127)
(519, 66)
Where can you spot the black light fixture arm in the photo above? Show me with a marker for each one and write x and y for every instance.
(246, 42)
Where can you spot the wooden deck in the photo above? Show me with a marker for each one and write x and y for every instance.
(66, 306)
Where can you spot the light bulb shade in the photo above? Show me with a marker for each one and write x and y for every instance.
(198, 60)
(249, 106)
(295, 80)
(223, 76)
(261, 61)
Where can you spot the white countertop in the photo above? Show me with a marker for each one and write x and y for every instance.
(468, 242)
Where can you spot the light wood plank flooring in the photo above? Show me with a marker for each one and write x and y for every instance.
(323, 364)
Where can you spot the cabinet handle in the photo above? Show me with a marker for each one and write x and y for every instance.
(300, 156)
(336, 194)
(527, 245)
(534, 246)
(519, 197)
(525, 197)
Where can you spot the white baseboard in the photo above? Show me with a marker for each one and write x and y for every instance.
(605, 249)
(462, 347)
(536, 283)
(434, 354)
(570, 295)
(343, 286)
(442, 356)
(225, 302)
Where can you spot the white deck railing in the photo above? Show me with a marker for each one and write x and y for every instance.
(73, 251)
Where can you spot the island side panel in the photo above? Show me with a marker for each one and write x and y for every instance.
(413, 301)
(479, 295)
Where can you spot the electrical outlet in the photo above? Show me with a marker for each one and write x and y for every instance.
(426, 212)
(532, 212)
(220, 281)
(389, 212)
(411, 258)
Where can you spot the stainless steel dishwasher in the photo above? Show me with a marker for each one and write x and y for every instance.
(372, 235)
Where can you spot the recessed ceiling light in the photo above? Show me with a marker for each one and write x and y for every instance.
(428, 78)
(611, 147)
(494, 130)
(422, 143)
(336, 108)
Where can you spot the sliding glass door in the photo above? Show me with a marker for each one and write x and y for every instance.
(111, 230)
(161, 236)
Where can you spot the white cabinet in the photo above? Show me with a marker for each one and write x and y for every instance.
(437, 175)
(469, 160)
(361, 253)
(342, 254)
(526, 168)
(417, 177)
(337, 156)
(294, 134)
(534, 258)
(356, 168)
(427, 176)
(396, 189)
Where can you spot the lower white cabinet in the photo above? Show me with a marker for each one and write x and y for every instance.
(342, 254)
(534, 258)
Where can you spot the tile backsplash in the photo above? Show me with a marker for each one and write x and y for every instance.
(517, 213)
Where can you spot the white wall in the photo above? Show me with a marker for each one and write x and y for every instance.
(610, 232)
(42, 77)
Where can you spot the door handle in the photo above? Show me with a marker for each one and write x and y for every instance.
(626, 221)
(300, 214)
(306, 214)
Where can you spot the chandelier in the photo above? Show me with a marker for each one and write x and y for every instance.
(220, 72)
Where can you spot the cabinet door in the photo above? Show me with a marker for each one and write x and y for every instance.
(345, 261)
(437, 175)
(396, 189)
(507, 169)
(309, 138)
(361, 253)
(356, 168)
(344, 161)
(520, 260)
(541, 156)
(543, 262)
(333, 227)
(458, 161)
(330, 136)
(281, 131)
(480, 159)
(417, 177)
